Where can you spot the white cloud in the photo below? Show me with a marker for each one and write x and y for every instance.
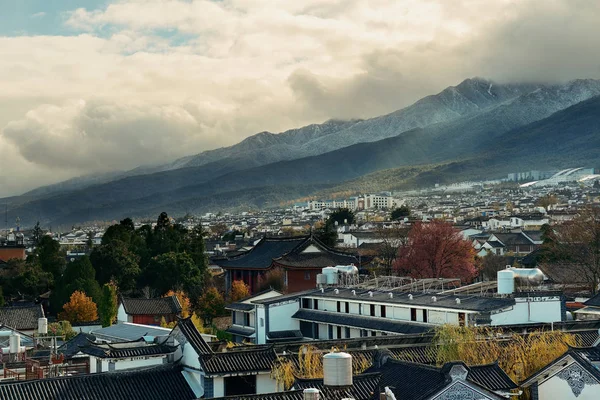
(145, 81)
(40, 14)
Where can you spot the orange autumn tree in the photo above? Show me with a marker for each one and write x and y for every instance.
(239, 290)
(80, 308)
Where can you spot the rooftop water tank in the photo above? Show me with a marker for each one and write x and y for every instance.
(321, 279)
(347, 269)
(529, 276)
(337, 369)
(43, 326)
(506, 281)
(310, 394)
(331, 274)
(14, 343)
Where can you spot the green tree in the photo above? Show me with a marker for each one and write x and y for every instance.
(210, 305)
(62, 328)
(173, 271)
(79, 276)
(342, 216)
(114, 261)
(108, 304)
(195, 246)
(50, 256)
(25, 279)
(400, 213)
(36, 234)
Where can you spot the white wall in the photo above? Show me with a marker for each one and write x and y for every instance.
(265, 384)
(121, 315)
(280, 317)
(532, 310)
(219, 386)
(136, 363)
(261, 331)
(556, 388)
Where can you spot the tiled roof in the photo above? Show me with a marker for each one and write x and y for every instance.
(282, 335)
(410, 381)
(159, 306)
(467, 302)
(240, 330)
(594, 301)
(364, 387)
(240, 307)
(361, 321)
(261, 256)
(193, 336)
(21, 317)
(72, 347)
(126, 350)
(289, 395)
(491, 377)
(513, 239)
(580, 355)
(325, 258)
(157, 383)
(238, 361)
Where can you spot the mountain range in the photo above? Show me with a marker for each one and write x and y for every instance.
(477, 129)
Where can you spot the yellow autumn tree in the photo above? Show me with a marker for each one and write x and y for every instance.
(239, 290)
(80, 308)
(186, 305)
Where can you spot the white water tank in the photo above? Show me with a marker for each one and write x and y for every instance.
(331, 274)
(506, 282)
(337, 369)
(43, 326)
(310, 394)
(14, 343)
(347, 269)
(321, 279)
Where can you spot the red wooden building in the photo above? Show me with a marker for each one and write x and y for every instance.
(149, 311)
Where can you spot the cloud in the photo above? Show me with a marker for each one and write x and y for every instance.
(40, 14)
(146, 81)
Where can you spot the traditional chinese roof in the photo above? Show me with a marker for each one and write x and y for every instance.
(582, 356)
(125, 350)
(72, 347)
(21, 317)
(156, 383)
(314, 254)
(193, 337)
(262, 254)
(236, 361)
(289, 395)
(158, 306)
(364, 387)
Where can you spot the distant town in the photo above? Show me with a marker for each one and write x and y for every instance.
(249, 305)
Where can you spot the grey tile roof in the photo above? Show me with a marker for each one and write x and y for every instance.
(261, 256)
(467, 302)
(72, 347)
(158, 306)
(279, 335)
(240, 307)
(360, 321)
(491, 377)
(364, 387)
(289, 395)
(578, 354)
(239, 361)
(21, 317)
(594, 301)
(187, 328)
(157, 383)
(240, 330)
(126, 350)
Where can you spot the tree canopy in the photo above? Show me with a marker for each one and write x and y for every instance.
(400, 213)
(80, 308)
(436, 250)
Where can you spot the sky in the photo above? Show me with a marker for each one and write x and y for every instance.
(92, 86)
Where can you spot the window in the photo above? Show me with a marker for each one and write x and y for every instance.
(413, 314)
(347, 309)
(262, 322)
(305, 303)
(330, 331)
(424, 315)
(347, 332)
(339, 332)
(373, 333)
(246, 319)
(383, 311)
(372, 310)
(315, 304)
(461, 319)
(339, 306)
(307, 276)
